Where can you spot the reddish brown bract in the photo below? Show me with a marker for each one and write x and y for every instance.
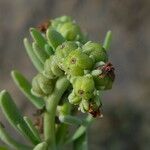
(44, 26)
(107, 70)
(93, 112)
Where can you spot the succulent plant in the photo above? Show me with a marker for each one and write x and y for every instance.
(72, 72)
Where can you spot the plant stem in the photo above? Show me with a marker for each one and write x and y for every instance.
(49, 116)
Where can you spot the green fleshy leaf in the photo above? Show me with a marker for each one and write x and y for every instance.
(38, 37)
(40, 52)
(49, 50)
(36, 62)
(8, 140)
(41, 146)
(61, 133)
(81, 143)
(14, 116)
(23, 84)
(32, 128)
(82, 129)
(107, 41)
(70, 120)
(63, 128)
(26, 132)
(54, 38)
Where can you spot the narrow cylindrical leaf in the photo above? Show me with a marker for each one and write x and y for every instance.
(61, 134)
(81, 143)
(24, 85)
(38, 37)
(81, 130)
(54, 38)
(8, 140)
(70, 120)
(32, 128)
(107, 40)
(40, 53)
(26, 132)
(49, 50)
(14, 116)
(41, 146)
(36, 62)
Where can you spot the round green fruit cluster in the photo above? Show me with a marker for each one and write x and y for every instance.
(84, 63)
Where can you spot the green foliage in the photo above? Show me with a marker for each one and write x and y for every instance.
(41, 146)
(15, 117)
(25, 88)
(72, 73)
(36, 62)
(54, 38)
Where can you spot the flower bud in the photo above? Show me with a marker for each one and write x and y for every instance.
(42, 86)
(84, 87)
(71, 31)
(74, 99)
(60, 20)
(105, 79)
(95, 51)
(77, 62)
(51, 69)
(65, 19)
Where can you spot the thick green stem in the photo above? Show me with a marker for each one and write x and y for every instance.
(49, 116)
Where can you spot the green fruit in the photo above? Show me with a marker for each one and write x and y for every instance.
(64, 50)
(70, 31)
(77, 62)
(84, 87)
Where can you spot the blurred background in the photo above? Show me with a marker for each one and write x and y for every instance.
(126, 108)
